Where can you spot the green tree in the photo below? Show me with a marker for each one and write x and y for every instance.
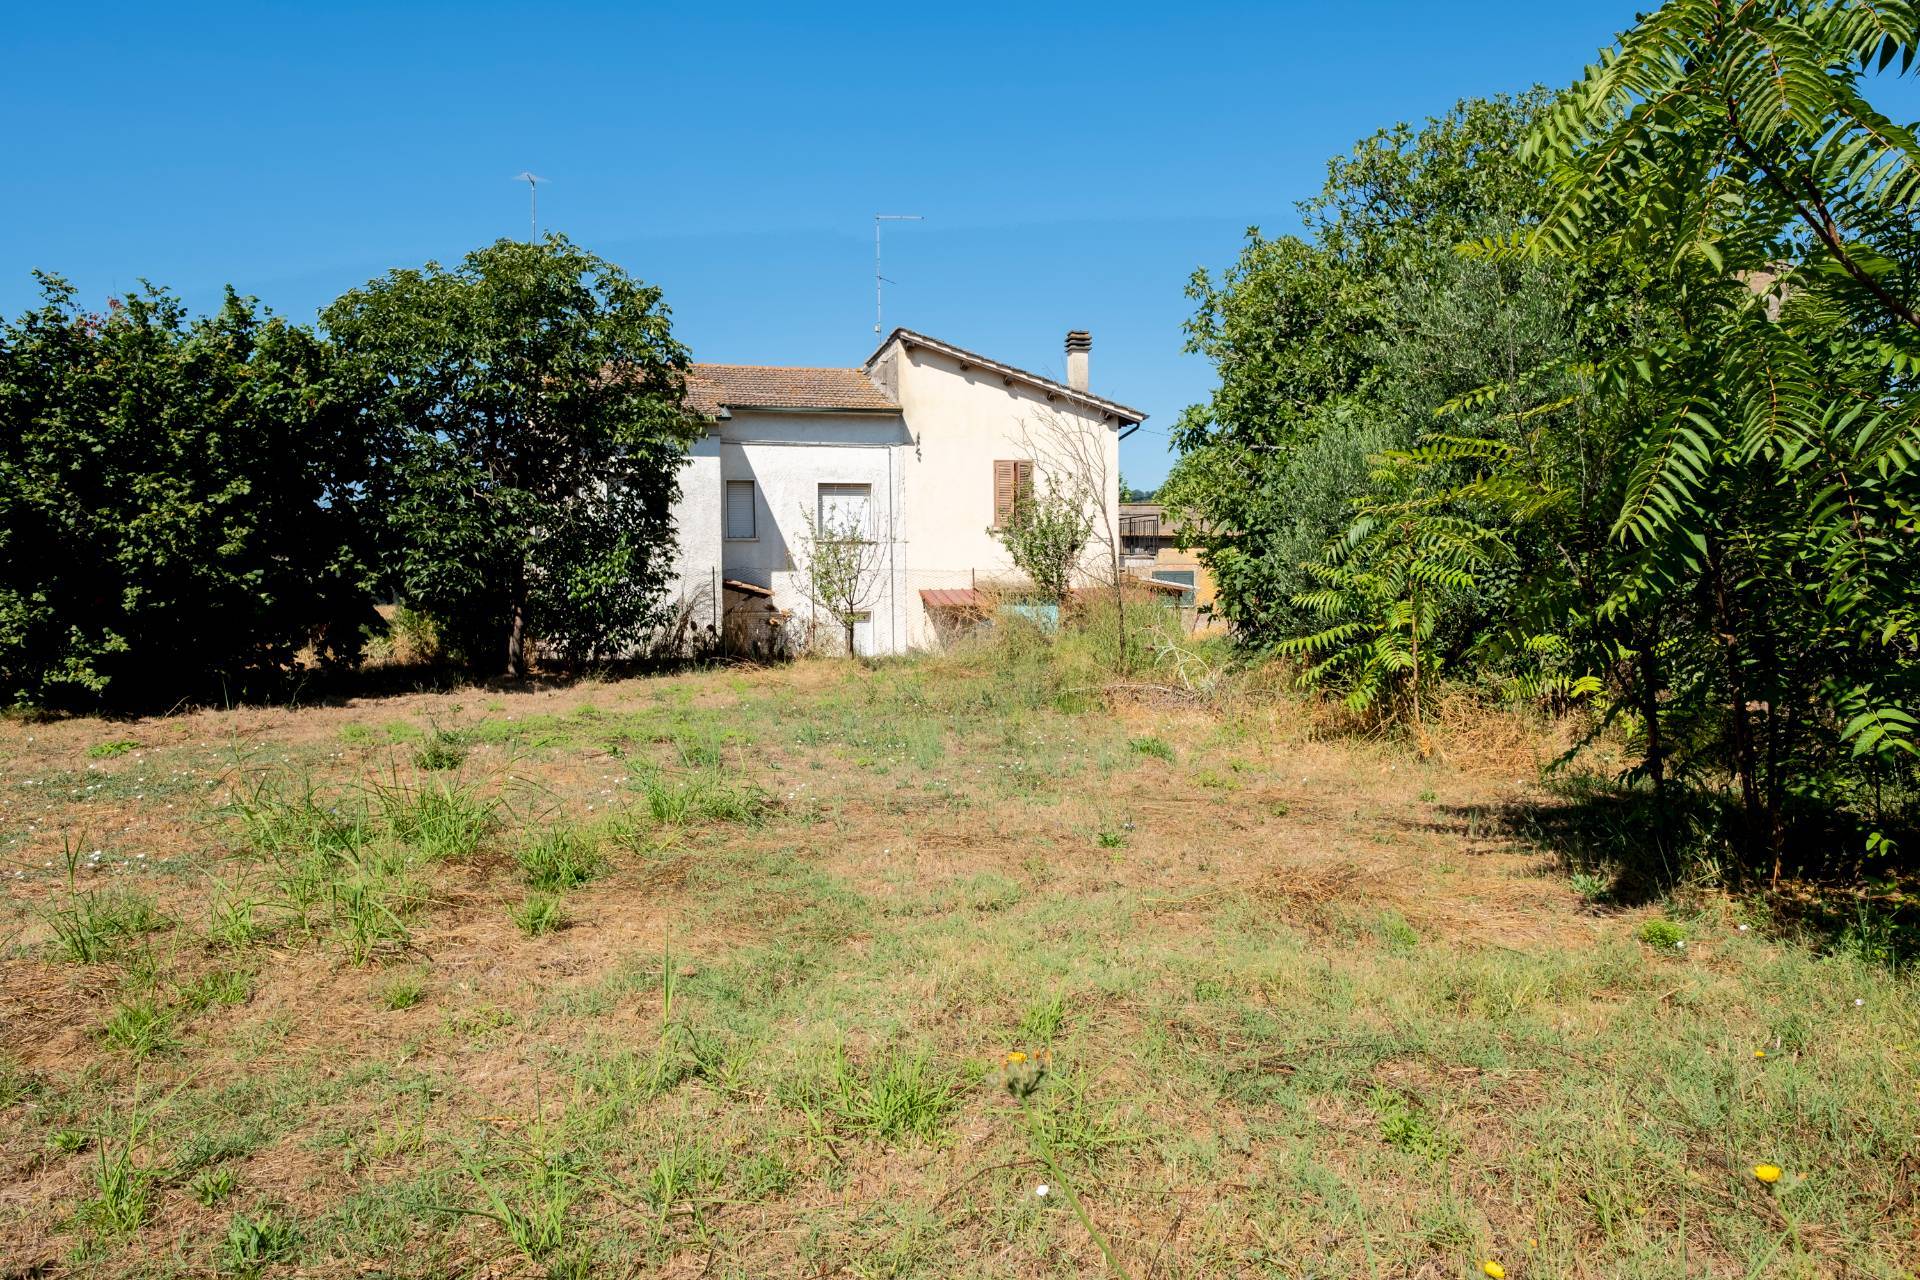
(1046, 534)
(1340, 343)
(179, 503)
(841, 562)
(527, 407)
(1767, 513)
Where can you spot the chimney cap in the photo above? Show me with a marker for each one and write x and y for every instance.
(1079, 340)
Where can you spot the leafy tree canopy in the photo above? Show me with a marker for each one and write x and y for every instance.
(178, 503)
(527, 409)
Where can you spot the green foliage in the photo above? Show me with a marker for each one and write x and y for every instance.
(180, 503)
(840, 564)
(1156, 748)
(1664, 934)
(443, 750)
(529, 493)
(141, 1026)
(561, 858)
(1635, 368)
(1336, 347)
(252, 1243)
(1045, 535)
(211, 1187)
(1382, 590)
(538, 914)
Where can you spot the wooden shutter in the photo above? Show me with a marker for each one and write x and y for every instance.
(1006, 483)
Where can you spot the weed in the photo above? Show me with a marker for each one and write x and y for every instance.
(1397, 933)
(561, 858)
(369, 905)
(107, 750)
(68, 1141)
(766, 1176)
(1593, 887)
(91, 925)
(1065, 1123)
(252, 1243)
(1041, 1022)
(441, 751)
(403, 991)
(141, 1026)
(897, 1096)
(211, 1187)
(219, 987)
(684, 1169)
(1156, 748)
(700, 796)
(538, 914)
(535, 1209)
(1110, 839)
(17, 1084)
(1407, 1129)
(233, 923)
(445, 818)
(123, 1188)
(1663, 934)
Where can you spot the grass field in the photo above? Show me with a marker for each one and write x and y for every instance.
(827, 970)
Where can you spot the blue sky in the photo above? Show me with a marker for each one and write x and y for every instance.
(1074, 163)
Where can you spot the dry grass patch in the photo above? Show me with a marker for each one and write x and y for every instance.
(1285, 1004)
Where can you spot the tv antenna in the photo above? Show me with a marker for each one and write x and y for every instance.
(878, 279)
(533, 181)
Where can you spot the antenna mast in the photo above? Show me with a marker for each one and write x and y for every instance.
(878, 279)
(533, 181)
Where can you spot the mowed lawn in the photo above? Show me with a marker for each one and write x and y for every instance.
(718, 974)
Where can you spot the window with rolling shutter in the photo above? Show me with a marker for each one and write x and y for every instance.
(1011, 478)
(740, 526)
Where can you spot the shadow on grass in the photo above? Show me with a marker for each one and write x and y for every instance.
(1623, 849)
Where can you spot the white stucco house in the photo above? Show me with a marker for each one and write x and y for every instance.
(923, 445)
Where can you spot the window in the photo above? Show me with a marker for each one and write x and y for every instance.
(846, 508)
(1183, 577)
(740, 526)
(1011, 478)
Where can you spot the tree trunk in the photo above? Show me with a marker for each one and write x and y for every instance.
(1745, 758)
(517, 633)
(1656, 746)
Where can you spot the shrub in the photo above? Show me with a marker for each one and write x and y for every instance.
(1664, 934)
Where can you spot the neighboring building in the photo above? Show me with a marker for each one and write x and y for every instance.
(924, 445)
(1151, 547)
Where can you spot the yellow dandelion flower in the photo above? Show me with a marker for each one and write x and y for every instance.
(1767, 1173)
(1493, 1270)
(1759, 1053)
(1015, 1058)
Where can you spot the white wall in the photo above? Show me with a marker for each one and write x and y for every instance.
(788, 456)
(697, 529)
(962, 421)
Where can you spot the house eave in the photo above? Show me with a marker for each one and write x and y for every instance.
(909, 339)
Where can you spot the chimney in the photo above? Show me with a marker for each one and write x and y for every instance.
(1079, 343)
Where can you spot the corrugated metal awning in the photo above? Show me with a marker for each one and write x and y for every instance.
(950, 598)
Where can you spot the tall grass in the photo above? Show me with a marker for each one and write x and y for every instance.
(93, 925)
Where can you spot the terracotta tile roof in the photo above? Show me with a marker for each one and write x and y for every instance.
(713, 387)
